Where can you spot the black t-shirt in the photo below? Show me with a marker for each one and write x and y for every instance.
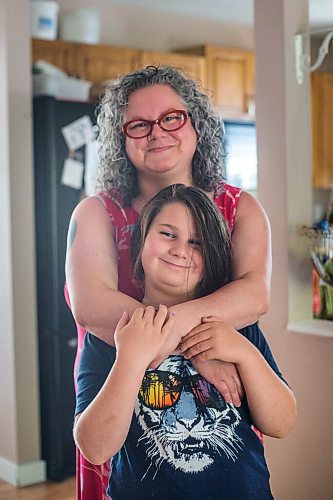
(185, 442)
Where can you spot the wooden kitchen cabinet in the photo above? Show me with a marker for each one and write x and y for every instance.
(322, 130)
(97, 63)
(230, 76)
(230, 79)
(100, 63)
(94, 63)
(226, 74)
(194, 66)
(56, 52)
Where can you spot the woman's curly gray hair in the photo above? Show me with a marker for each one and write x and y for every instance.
(116, 173)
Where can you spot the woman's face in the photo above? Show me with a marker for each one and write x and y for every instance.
(172, 256)
(162, 152)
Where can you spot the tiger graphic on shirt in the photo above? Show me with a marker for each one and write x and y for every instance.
(184, 419)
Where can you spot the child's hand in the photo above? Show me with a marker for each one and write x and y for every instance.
(213, 340)
(139, 339)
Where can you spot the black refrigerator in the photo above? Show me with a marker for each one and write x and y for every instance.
(54, 204)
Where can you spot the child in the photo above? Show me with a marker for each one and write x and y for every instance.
(169, 432)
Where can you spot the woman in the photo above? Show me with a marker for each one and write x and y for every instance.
(157, 128)
(169, 432)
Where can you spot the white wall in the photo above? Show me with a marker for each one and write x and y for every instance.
(159, 30)
(19, 398)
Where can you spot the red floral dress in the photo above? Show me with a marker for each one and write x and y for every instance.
(92, 480)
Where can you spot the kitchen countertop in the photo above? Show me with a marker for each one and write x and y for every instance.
(319, 327)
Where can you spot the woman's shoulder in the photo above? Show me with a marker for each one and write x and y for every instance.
(226, 198)
(114, 206)
(224, 192)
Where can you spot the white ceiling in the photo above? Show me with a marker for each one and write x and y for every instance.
(231, 11)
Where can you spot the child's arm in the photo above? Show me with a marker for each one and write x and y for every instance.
(101, 429)
(271, 402)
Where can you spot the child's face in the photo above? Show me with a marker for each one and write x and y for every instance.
(171, 256)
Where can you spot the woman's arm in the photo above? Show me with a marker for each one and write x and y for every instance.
(92, 271)
(92, 280)
(92, 274)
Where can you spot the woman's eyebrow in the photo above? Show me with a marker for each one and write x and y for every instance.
(138, 117)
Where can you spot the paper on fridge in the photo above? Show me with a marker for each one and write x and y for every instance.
(72, 173)
(78, 133)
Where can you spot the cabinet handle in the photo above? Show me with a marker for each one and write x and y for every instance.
(251, 105)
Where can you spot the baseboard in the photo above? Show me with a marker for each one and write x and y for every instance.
(24, 474)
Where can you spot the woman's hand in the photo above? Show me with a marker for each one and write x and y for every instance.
(224, 376)
(139, 339)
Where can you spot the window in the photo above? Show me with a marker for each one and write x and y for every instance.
(241, 161)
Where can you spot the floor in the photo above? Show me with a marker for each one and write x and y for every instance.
(64, 490)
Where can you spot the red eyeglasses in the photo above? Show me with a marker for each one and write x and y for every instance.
(170, 121)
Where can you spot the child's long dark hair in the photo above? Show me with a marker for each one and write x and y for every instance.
(211, 228)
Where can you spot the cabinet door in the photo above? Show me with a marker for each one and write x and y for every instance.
(194, 66)
(322, 130)
(98, 63)
(230, 77)
(56, 52)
